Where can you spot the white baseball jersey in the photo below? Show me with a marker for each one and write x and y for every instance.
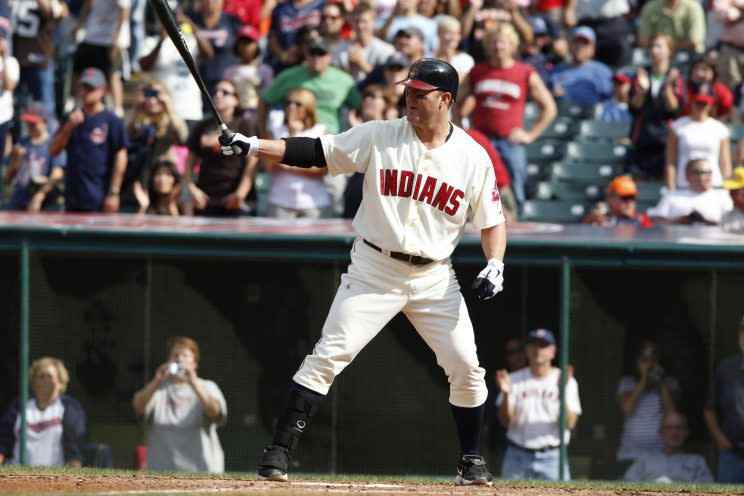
(416, 200)
(43, 436)
(537, 407)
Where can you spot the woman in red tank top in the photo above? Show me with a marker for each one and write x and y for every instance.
(496, 90)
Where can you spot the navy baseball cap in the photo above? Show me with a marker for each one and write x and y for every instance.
(92, 77)
(398, 59)
(409, 32)
(541, 335)
(432, 74)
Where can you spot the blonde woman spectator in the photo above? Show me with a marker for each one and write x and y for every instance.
(56, 421)
(697, 136)
(154, 127)
(183, 412)
(299, 192)
(448, 30)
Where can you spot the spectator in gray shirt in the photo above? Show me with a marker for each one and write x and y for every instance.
(672, 464)
(183, 412)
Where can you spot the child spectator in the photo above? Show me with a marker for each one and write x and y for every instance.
(616, 109)
(96, 144)
(31, 162)
(249, 76)
(164, 188)
(733, 220)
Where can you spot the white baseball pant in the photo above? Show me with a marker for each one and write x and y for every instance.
(372, 291)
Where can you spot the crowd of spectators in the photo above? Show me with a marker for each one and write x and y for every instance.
(118, 101)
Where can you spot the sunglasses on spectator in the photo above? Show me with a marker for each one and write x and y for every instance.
(700, 172)
(628, 197)
(294, 103)
(329, 16)
(150, 93)
(223, 92)
(317, 53)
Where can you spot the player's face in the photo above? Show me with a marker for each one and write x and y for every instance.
(183, 356)
(46, 384)
(424, 107)
(540, 352)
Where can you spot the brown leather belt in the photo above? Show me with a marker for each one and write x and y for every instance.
(403, 257)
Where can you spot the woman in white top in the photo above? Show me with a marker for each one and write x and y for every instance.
(697, 136)
(297, 192)
(448, 30)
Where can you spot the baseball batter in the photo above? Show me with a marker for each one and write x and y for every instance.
(424, 179)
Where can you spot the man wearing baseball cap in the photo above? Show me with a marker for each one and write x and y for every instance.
(584, 80)
(35, 171)
(733, 220)
(617, 109)
(620, 206)
(96, 143)
(529, 408)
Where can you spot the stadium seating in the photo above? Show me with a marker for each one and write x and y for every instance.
(596, 153)
(262, 185)
(553, 211)
(562, 128)
(600, 131)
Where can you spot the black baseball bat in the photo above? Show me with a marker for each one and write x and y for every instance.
(168, 20)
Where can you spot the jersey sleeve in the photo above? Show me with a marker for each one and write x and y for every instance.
(350, 151)
(73, 429)
(7, 429)
(485, 206)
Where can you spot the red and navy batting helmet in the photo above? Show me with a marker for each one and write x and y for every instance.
(432, 74)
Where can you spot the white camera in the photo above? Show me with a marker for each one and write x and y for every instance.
(175, 368)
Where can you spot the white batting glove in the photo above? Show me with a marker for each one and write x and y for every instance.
(490, 280)
(238, 144)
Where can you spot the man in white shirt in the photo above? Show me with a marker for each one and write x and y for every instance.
(700, 204)
(529, 408)
(672, 464)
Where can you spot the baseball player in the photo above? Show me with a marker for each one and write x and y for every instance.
(424, 179)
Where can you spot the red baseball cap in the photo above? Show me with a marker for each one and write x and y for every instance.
(702, 92)
(36, 112)
(249, 32)
(620, 78)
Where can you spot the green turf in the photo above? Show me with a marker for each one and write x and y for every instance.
(349, 478)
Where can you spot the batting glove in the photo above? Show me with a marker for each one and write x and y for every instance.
(490, 280)
(237, 144)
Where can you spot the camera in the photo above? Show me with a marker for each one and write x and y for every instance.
(175, 368)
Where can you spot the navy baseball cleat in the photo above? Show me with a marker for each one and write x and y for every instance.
(472, 471)
(274, 464)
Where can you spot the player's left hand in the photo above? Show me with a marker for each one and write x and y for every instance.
(490, 280)
(238, 144)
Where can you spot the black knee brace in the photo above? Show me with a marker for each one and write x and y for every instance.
(302, 405)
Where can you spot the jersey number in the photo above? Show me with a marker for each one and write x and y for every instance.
(26, 18)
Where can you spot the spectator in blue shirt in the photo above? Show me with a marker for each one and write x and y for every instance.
(583, 81)
(616, 109)
(31, 163)
(96, 143)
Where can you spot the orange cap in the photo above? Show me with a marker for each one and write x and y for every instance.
(623, 186)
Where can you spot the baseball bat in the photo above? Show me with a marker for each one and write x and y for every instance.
(168, 20)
